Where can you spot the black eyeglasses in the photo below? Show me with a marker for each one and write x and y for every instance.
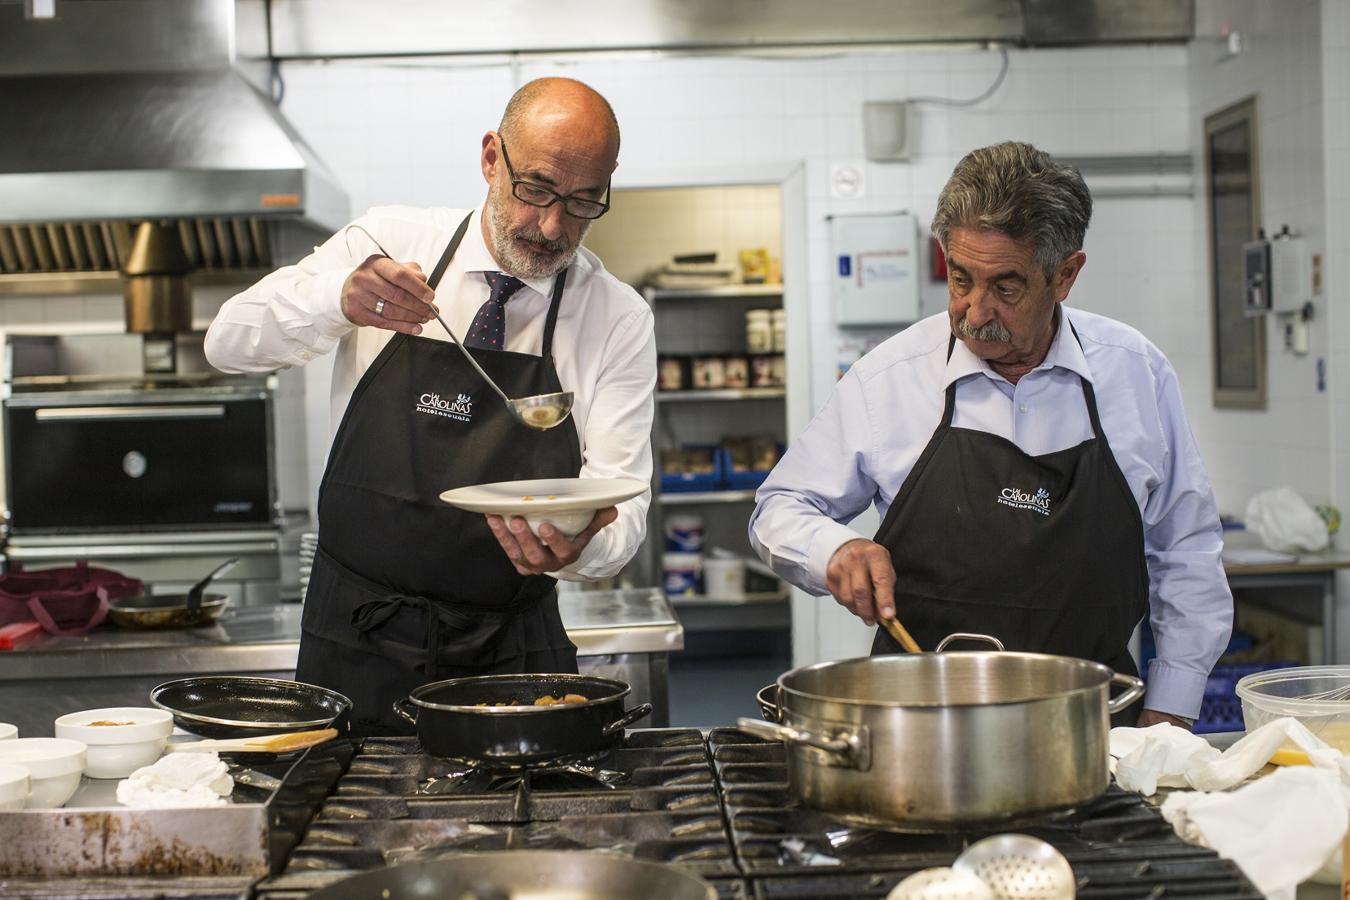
(538, 195)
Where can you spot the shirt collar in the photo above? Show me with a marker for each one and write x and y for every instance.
(477, 258)
(1065, 353)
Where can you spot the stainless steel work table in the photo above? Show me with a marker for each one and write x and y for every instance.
(621, 634)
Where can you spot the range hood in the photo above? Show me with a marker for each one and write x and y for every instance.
(124, 111)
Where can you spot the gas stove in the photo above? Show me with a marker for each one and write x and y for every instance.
(717, 804)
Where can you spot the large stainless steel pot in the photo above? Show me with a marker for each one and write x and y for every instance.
(936, 740)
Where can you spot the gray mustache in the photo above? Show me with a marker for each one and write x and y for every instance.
(991, 332)
(538, 239)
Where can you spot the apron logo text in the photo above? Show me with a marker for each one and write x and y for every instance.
(1019, 499)
(461, 408)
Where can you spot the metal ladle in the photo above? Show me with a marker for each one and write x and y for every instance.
(539, 411)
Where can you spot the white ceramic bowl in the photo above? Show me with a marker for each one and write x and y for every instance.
(8, 732)
(13, 787)
(54, 766)
(569, 522)
(117, 750)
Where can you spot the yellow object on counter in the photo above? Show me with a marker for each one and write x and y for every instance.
(1284, 757)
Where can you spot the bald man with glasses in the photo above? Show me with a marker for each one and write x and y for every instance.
(405, 589)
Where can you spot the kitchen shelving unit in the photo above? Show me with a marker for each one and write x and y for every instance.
(711, 322)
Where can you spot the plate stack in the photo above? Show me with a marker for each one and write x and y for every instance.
(309, 542)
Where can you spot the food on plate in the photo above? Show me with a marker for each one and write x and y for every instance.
(105, 722)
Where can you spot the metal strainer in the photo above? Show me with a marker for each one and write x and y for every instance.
(941, 883)
(1019, 867)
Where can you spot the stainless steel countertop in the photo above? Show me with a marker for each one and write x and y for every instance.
(267, 638)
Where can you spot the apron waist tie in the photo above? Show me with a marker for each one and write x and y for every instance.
(469, 635)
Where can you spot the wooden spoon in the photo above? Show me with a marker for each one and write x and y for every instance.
(901, 636)
(263, 743)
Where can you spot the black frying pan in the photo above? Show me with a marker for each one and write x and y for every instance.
(228, 706)
(147, 610)
(164, 610)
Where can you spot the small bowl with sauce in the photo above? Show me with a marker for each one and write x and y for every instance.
(121, 739)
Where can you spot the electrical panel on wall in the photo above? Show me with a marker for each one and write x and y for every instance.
(875, 271)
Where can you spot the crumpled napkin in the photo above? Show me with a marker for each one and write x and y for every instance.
(178, 780)
(1164, 755)
(1280, 829)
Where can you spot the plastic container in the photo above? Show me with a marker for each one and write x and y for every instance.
(680, 573)
(684, 534)
(709, 372)
(1270, 695)
(724, 578)
(759, 331)
(778, 323)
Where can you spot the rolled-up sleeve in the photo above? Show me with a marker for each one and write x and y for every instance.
(618, 443)
(1191, 606)
(289, 317)
(822, 482)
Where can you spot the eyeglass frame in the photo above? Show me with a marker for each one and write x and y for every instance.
(557, 197)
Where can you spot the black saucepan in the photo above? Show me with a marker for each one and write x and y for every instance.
(523, 873)
(228, 706)
(468, 719)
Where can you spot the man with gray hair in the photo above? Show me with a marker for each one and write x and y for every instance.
(406, 589)
(1032, 464)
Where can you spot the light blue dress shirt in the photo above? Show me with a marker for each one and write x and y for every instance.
(860, 447)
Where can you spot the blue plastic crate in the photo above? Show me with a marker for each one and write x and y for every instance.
(710, 481)
(1224, 678)
(1219, 714)
(742, 481)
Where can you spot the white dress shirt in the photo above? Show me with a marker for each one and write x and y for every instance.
(604, 344)
(861, 446)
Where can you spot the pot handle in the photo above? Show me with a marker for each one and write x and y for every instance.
(969, 636)
(628, 718)
(1134, 689)
(401, 709)
(846, 750)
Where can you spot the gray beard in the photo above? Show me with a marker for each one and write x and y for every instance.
(992, 332)
(521, 263)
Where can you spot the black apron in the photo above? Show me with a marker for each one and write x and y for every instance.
(1045, 553)
(406, 589)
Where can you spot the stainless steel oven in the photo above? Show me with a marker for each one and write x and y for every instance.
(148, 460)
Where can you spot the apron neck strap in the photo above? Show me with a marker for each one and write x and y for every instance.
(549, 323)
(450, 249)
(558, 282)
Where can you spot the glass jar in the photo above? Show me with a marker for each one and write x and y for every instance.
(758, 331)
(779, 325)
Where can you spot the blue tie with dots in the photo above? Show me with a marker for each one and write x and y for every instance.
(488, 331)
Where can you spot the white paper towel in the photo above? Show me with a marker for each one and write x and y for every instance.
(1280, 829)
(178, 780)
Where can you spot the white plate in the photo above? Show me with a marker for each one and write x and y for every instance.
(506, 498)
